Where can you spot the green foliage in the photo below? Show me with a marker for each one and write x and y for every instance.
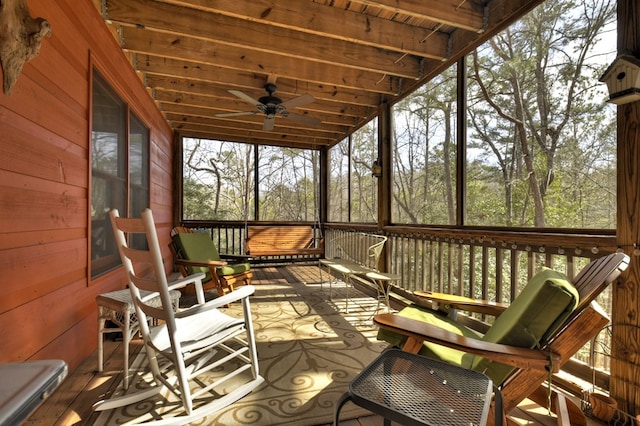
(540, 137)
(198, 201)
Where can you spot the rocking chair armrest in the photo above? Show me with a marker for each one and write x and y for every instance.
(464, 303)
(418, 332)
(233, 296)
(185, 281)
(205, 263)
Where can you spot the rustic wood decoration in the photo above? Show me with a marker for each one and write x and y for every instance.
(20, 38)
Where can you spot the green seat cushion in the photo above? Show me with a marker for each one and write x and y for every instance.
(236, 268)
(429, 349)
(199, 246)
(542, 306)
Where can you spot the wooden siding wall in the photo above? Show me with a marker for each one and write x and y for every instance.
(47, 301)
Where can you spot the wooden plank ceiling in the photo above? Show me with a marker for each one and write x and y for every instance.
(349, 55)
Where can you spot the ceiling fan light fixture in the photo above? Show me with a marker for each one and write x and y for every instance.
(270, 100)
(272, 106)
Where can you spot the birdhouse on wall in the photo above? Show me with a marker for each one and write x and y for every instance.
(623, 80)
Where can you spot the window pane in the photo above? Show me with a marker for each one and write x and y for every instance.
(288, 184)
(541, 139)
(364, 187)
(108, 159)
(339, 182)
(424, 155)
(217, 180)
(138, 166)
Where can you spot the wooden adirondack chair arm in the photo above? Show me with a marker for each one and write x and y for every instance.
(205, 263)
(464, 303)
(236, 258)
(419, 332)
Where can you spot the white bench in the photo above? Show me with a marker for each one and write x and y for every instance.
(357, 258)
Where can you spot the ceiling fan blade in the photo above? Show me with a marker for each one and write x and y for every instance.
(236, 114)
(303, 119)
(269, 122)
(299, 101)
(245, 97)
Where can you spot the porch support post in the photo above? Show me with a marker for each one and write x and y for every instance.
(323, 201)
(625, 368)
(385, 125)
(385, 129)
(178, 188)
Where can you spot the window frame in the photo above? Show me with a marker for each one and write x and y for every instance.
(111, 260)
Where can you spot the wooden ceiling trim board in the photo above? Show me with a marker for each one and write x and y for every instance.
(208, 114)
(309, 144)
(253, 134)
(232, 104)
(210, 109)
(285, 88)
(463, 14)
(328, 21)
(190, 49)
(239, 33)
(175, 68)
(220, 128)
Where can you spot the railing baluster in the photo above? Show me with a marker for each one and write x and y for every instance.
(515, 274)
(499, 273)
(472, 271)
(485, 272)
(460, 269)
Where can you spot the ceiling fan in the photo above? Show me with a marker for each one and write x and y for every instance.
(272, 106)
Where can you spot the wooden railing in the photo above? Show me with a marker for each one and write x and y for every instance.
(491, 264)
(487, 264)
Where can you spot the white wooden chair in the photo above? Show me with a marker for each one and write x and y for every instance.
(188, 343)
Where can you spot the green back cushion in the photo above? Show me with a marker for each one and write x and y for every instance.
(196, 246)
(542, 306)
(199, 246)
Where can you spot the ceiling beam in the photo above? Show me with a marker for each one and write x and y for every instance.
(196, 50)
(190, 112)
(239, 33)
(256, 136)
(156, 65)
(282, 127)
(200, 88)
(468, 15)
(169, 98)
(327, 21)
(161, 77)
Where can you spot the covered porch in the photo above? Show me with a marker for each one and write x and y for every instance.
(168, 71)
(72, 403)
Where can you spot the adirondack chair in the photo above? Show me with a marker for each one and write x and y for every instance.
(195, 252)
(529, 339)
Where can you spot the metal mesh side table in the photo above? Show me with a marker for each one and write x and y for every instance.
(416, 390)
(117, 307)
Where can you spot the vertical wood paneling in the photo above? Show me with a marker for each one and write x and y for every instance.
(47, 308)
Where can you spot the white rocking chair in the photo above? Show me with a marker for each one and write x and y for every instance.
(188, 343)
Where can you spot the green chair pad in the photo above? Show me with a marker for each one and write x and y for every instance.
(199, 247)
(542, 306)
(433, 350)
